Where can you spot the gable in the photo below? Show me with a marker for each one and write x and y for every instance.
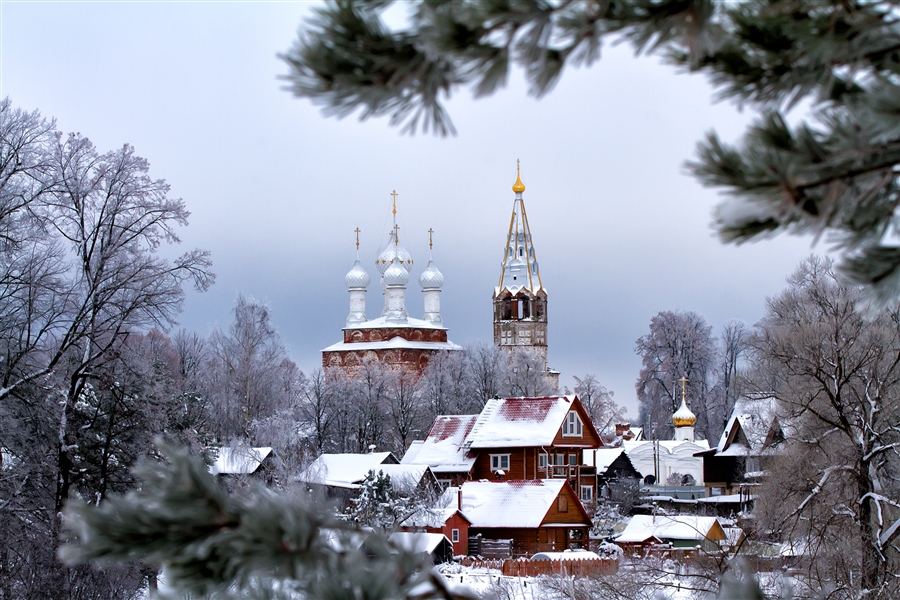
(589, 436)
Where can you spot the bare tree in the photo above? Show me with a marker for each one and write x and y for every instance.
(598, 402)
(679, 344)
(488, 367)
(734, 344)
(406, 408)
(525, 375)
(834, 491)
(252, 376)
(319, 408)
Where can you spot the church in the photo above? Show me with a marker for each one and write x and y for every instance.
(394, 339)
(399, 340)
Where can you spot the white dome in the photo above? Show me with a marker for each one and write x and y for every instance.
(356, 277)
(396, 275)
(393, 253)
(431, 278)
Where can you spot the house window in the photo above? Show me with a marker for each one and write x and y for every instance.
(572, 426)
(542, 461)
(454, 535)
(562, 504)
(573, 460)
(587, 493)
(560, 460)
(499, 462)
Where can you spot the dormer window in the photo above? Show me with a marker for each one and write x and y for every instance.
(572, 426)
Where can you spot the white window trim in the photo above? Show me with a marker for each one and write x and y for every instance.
(454, 535)
(499, 462)
(543, 460)
(578, 426)
(590, 493)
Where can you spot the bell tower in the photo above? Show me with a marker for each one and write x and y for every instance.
(520, 300)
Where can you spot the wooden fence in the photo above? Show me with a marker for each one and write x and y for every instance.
(533, 568)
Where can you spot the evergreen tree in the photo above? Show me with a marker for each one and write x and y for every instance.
(835, 174)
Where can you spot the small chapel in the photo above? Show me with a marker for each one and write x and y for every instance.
(394, 339)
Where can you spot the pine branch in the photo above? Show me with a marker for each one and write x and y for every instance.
(254, 542)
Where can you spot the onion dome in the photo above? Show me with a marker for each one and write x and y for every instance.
(683, 417)
(357, 278)
(518, 186)
(396, 275)
(431, 278)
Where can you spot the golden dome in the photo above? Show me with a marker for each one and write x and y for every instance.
(518, 186)
(683, 417)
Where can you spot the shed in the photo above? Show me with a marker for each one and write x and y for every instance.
(435, 545)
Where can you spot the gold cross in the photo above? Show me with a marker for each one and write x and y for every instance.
(394, 196)
(430, 233)
(517, 166)
(683, 381)
(357, 237)
(396, 235)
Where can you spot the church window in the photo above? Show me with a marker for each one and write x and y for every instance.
(572, 424)
(521, 251)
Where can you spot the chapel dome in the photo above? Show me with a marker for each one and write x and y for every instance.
(396, 275)
(357, 278)
(393, 252)
(431, 278)
(683, 417)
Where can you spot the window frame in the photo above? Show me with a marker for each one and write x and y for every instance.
(543, 460)
(573, 427)
(590, 490)
(454, 535)
(498, 459)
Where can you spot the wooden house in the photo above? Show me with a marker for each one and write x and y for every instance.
(537, 515)
(513, 439)
(751, 438)
(680, 531)
(446, 519)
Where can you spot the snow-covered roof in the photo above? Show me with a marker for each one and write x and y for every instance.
(755, 416)
(567, 555)
(346, 470)
(500, 504)
(238, 461)
(602, 457)
(382, 322)
(511, 422)
(443, 448)
(393, 343)
(437, 516)
(417, 542)
(681, 527)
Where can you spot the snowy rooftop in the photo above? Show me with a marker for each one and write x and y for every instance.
(755, 416)
(682, 527)
(509, 503)
(442, 449)
(602, 457)
(520, 422)
(382, 322)
(417, 542)
(393, 343)
(348, 470)
(238, 461)
(567, 555)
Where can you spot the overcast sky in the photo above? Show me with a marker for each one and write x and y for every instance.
(275, 189)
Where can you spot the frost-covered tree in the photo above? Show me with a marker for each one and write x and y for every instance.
(525, 375)
(679, 344)
(834, 174)
(82, 276)
(834, 491)
(252, 378)
(598, 402)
